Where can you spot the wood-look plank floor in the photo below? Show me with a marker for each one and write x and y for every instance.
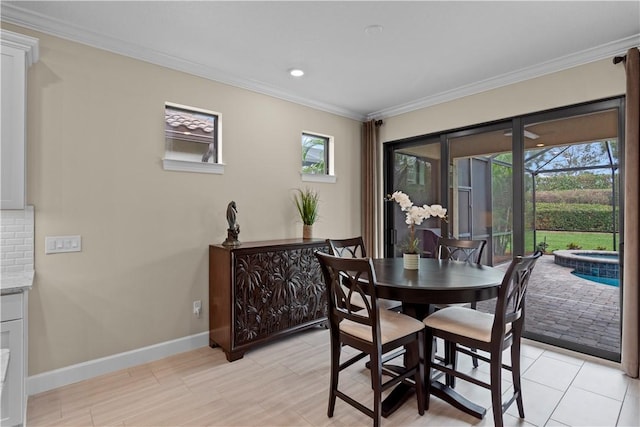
(284, 383)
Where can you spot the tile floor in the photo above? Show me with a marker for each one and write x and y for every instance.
(286, 384)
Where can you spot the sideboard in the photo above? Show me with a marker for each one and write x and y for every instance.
(260, 291)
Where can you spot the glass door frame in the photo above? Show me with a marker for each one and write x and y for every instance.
(519, 225)
(444, 140)
(618, 104)
(389, 234)
(504, 125)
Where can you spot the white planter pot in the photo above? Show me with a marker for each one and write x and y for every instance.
(411, 261)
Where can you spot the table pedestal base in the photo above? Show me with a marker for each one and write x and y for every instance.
(403, 392)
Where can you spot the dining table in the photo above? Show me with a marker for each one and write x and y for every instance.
(435, 282)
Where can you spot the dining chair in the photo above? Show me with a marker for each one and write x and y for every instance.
(463, 327)
(461, 250)
(354, 248)
(348, 248)
(430, 241)
(371, 330)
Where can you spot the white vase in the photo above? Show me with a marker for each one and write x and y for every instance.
(411, 261)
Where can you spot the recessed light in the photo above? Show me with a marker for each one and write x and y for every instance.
(296, 72)
(540, 144)
(372, 30)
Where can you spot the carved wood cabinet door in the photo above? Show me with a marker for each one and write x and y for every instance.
(276, 290)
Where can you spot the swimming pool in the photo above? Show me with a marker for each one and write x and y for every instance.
(598, 266)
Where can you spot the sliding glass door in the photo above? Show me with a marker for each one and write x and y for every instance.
(415, 169)
(573, 198)
(480, 184)
(548, 181)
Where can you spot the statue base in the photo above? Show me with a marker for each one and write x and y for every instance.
(232, 238)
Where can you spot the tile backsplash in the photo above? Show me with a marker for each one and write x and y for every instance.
(16, 240)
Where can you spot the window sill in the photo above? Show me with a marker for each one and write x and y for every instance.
(330, 179)
(186, 166)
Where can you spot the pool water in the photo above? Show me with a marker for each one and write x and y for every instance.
(604, 280)
(597, 266)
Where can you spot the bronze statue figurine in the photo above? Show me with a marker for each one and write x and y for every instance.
(234, 228)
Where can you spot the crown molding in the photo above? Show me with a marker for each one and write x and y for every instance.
(37, 22)
(604, 51)
(34, 21)
(29, 45)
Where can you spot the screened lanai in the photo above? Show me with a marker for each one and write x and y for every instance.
(582, 171)
(569, 172)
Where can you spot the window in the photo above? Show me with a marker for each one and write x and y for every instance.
(317, 157)
(192, 139)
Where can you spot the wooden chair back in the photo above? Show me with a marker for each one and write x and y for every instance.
(510, 302)
(357, 276)
(461, 250)
(348, 248)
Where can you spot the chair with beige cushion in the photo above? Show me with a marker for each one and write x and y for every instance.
(461, 250)
(371, 330)
(354, 248)
(463, 327)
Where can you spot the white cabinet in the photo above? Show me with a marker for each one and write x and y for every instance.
(13, 350)
(18, 53)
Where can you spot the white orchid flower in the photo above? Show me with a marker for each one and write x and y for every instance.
(416, 214)
(402, 199)
(438, 210)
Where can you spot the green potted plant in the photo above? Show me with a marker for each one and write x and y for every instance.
(306, 201)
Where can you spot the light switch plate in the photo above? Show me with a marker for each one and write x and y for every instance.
(62, 244)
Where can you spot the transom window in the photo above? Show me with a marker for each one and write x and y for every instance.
(315, 149)
(317, 157)
(192, 139)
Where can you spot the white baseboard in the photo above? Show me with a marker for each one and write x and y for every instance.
(92, 368)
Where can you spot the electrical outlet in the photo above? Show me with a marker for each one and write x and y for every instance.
(197, 307)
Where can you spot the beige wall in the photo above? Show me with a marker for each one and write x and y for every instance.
(601, 79)
(95, 144)
(597, 80)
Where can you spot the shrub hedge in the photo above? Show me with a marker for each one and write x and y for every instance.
(585, 180)
(574, 217)
(593, 196)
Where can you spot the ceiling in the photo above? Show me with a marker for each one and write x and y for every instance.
(361, 59)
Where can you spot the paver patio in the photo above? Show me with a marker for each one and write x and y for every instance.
(563, 306)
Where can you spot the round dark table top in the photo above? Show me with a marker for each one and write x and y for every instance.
(436, 281)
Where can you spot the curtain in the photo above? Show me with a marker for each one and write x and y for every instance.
(370, 188)
(631, 284)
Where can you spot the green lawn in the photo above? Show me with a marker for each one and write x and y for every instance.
(560, 239)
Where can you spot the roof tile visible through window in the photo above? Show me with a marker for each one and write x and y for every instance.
(198, 127)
